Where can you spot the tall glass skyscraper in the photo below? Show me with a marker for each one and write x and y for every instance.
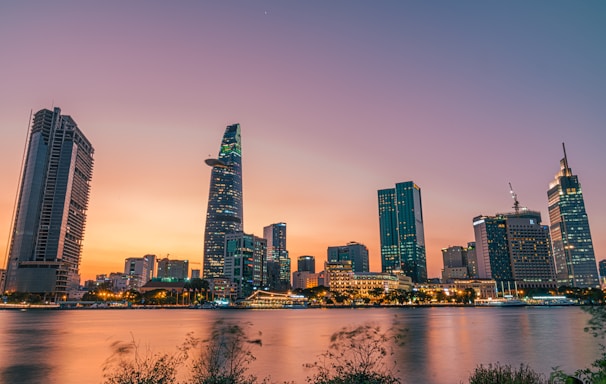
(570, 235)
(402, 234)
(278, 261)
(47, 236)
(224, 212)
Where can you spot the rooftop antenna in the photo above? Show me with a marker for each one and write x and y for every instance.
(516, 203)
(567, 171)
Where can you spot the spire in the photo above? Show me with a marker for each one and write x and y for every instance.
(567, 171)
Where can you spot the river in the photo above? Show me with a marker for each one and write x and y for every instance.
(442, 345)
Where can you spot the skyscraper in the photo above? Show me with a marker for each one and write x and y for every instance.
(402, 234)
(514, 249)
(570, 234)
(355, 252)
(278, 261)
(244, 261)
(306, 264)
(46, 242)
(224, 212)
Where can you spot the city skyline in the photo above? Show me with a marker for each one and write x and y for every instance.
(339, 100)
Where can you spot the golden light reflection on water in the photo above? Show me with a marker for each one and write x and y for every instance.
(442, 345)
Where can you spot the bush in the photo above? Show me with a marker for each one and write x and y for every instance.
(225, 357)
(127, 365)
(357, 355)
(505, 374)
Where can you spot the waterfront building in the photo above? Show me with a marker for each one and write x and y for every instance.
(364, 283)
(48, 231)
(176, 270)
(570, 234)
(278, 261)
(222, 288)
(341, 278)
(339, 275)
(306, 264)
(141, 269)
(515, 250)
(244, 262)
(355, 252)
(401, 231)
(224, 213)
(484, 289)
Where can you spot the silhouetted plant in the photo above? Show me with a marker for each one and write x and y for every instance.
(225, 357)
(127, 365)
(358, 355)
(505, 374)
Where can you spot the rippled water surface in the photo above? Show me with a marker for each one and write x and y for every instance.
(442, 345)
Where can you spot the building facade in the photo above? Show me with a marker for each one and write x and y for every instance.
(141, 269)
(278, 261)
(176, 270)
(570, 234)
(306, 264)
(245, 257)
(401, 231)
(355, 252)
(514, 249)
(47, 236)
(224, 213)
(459, 262)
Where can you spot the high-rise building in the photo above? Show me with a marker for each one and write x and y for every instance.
(402, 233)
(355, 252)
(173, 269)
(601, 268)
(141, 269)
(278, 262)
(245, 257)
(472, 260)
(306, 264)
(48, 231)
(570, 234)
(514, 249)
(224, 212)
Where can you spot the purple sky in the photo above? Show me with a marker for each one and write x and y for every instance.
(336, 100)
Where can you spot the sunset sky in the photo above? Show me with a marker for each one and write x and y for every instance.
(336, 100)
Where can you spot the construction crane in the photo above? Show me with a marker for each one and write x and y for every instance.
(516, 203)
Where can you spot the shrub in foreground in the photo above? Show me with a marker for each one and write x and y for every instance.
(358, 355)
(505, 374)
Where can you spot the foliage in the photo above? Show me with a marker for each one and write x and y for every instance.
(225, 356)
(505, 374)
(358, 355)
(127, 365)
(23, 297)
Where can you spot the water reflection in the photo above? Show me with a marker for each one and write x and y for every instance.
(442, 346)
(28, 344)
